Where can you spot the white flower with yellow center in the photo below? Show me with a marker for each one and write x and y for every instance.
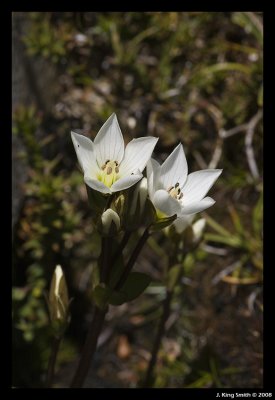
(107, 166)
(173, 192)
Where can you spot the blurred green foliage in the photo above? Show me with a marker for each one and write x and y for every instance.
(182, 76)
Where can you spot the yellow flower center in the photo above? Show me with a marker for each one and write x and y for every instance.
(109, 173)
(175, 192)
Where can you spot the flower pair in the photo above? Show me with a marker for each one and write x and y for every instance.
(108, 168)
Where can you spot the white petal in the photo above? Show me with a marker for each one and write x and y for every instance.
(84, 149)
(153, 173)
(126, 182)
(96, 185)
(197, 206)
(174, 169)
(182, 223)
(137, 154)
(109, 143)
(165, 203)
(198, 184)
(58, 275)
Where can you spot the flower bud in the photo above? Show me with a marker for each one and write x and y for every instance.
(139, 198)
(182, 223)
(119, 204)
(110, 222)
(198, 228)
(58, 301)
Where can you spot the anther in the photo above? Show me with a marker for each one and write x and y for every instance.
(109, 170)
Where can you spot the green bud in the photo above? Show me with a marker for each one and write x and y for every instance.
(58, 301)
(119, 204)
(136, 210)
(110, 223)
(139, 197)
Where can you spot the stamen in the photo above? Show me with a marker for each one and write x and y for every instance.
(175, 191)
(110, 172)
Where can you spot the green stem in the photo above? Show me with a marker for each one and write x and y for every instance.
(52, 361)
(121, 247)
(89, 348)
(105, 255)
(149, 378)
(132, 259)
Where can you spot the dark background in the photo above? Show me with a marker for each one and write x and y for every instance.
(194, 77)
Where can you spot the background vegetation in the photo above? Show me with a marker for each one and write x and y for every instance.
(194, 77)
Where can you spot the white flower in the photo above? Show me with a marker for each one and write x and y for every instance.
(173, 192)
(107, 166)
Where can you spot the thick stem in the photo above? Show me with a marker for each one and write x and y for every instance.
(121, 247)
(89, 348)
(52, 361)
(149, 378)
(105, 255)
(132, 259)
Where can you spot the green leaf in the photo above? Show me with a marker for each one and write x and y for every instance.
(135, 284)
(117, 298)
(173, 276)
(217, 227)
(250, 22)
(101, 295)
(116, 271)
(18, 293)
(225, 67)
(260, 96)
(233, 241)
(236, 220)
(257, 218)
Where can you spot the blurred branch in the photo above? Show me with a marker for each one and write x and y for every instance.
(226, 271)
(249, 128)
(248, 144)
(216, 154)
